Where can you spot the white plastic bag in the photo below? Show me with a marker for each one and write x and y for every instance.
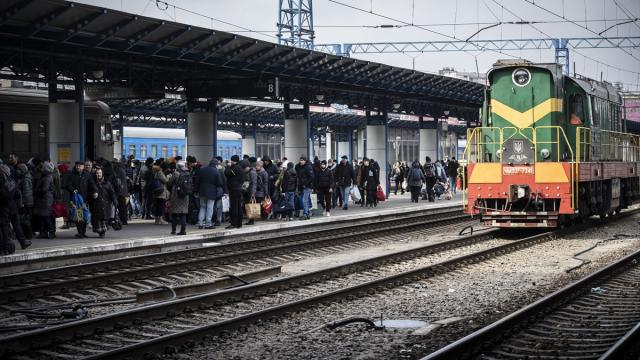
(314, 201)
(355, 194)
(225, 203)
(405, 185)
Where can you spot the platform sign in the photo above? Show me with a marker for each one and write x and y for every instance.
(240, 88)
(64, 153)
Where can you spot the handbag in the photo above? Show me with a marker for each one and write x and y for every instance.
(59, 210)
(355, 194)
(404, 185)
(225, 204)
(380, 194)
(116, 224)
(267, 205)
(314, 201)
(252, 209)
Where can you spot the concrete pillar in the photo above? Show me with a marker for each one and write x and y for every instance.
(428, 144)
(248, 145)
(64, 134)
(344, 149)
(328, 150)
(296, 131)
(362, 133)
(201, 135)
(376, 146)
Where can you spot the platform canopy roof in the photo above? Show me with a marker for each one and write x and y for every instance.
(123, 55)
(236, 117)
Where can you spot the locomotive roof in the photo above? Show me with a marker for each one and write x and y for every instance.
(601, 89)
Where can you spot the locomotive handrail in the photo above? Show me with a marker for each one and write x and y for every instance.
(559, 130)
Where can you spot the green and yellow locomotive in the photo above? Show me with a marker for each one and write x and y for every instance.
(551, 149)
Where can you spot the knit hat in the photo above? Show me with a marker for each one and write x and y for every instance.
(235, 158)
(302, 157)
(344, 157)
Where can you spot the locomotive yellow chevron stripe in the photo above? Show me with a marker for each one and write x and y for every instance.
(529, 117)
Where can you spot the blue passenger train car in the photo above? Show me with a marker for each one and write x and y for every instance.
(158, 142)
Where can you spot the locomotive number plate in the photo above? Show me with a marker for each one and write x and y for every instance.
(518, 170)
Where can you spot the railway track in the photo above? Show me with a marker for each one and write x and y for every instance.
(119, 277)
(169, 326)
(597, 317)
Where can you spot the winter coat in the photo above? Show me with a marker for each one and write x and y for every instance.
(324, 179)
(177, 204)
(100, 206)
(344, 174)
(81, 182)
(25, 185)
(370, 176)
(7, 188)
(43, 191)
(119, 181)
(290, 181)
(262, 184)
(272, 171)
(305, 176)
(452, 168)
(210, 183)
(158, 174)
(235, 176)
(252, 177)
(412, 179)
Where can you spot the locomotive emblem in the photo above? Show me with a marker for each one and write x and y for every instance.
(518, 146)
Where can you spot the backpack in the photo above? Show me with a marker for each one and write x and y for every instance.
(429, 171)
(416, 174)
(156, 187)
(184, 185)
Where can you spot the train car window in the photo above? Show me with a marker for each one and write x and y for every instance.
(226, 153)
(163, 151)
(576, 110)
(132, 149)
(21, 138)
(42, 137)
(219, 150)
(174, 150)
(154, 151)
(143, 151)
(184, 150)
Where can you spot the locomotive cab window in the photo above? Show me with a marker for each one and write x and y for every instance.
(576, 110)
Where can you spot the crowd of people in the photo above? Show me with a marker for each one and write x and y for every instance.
(428, 181)
(106, 194)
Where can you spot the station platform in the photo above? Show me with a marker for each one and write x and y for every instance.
(144, 237)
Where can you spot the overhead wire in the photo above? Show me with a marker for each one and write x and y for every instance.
(531, 2)
(574, 50)
(628, 13)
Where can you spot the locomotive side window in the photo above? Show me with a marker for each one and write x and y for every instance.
(154, 151)
(21, 138)
(576, 110)
(595, 111)
(143, 151)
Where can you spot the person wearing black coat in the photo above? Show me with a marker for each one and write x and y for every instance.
(100, 203)
(305, 185)
(344, 177)
(78, 180)
(370, 180)
(235, 176)
(415, 179)
(210, 188)
(289, 188)
(324, 186)
(121, 188)
(273, 172)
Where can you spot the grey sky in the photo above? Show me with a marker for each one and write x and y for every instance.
(261, 15)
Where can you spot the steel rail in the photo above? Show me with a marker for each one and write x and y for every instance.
(82, 276)
(482, 340)
(47, 336)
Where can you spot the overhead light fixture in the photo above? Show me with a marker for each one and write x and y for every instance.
(396, 105)
(320, 97)
(446, 113)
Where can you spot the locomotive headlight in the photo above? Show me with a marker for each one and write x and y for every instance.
(522, 192)
(498, 153)
(545, 153)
